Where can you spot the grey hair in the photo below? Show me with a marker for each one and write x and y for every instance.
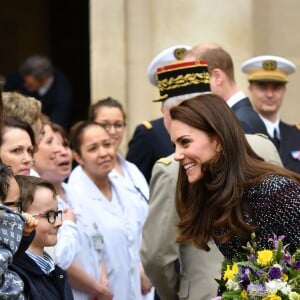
(38, 66)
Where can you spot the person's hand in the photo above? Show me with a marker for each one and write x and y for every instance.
(104, 293)
(30, 223)
(68, 214)
(146, 284)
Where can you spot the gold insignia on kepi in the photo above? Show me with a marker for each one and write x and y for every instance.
(182, 78)
(269, 65)
(179, 53)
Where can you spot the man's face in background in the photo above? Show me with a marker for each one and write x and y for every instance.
(33, 84)
(267, 97)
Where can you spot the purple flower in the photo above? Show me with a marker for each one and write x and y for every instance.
(252, 258)
(255, 290)
(274, 273)
(297, 265)
(244, 277)
(259, 273)
(275, 240)
(287, 258)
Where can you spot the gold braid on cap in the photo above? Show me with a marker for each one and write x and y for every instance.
(183, 80)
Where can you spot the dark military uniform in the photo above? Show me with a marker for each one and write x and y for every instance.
(149, 143)
(248, 118)
(289, 142)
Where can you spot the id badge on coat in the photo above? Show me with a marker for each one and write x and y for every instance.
(97, 237)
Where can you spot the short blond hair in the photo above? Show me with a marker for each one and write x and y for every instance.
(27, 109)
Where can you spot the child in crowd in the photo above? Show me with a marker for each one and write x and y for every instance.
(15, 233)
(42, 278)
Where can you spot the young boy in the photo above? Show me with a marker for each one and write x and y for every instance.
(42, 278)
(13, 226)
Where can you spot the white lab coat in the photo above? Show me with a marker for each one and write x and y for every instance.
(133, 180)
(120, 221)
(88, 257)
(68, 242)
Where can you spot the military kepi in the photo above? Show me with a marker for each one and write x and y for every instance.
(268, 68)
(182, 78)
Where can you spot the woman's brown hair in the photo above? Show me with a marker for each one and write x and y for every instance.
(77, 131)
(106, 102)
(212, 207)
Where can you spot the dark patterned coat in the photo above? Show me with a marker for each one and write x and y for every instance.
(274, 209)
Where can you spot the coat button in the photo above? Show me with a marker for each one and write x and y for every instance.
(61, 276)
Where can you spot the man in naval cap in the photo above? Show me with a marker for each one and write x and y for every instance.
(268, 76)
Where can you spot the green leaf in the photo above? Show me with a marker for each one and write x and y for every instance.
(232, 295)
(279, 251)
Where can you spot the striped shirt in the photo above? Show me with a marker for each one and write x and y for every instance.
(45, 262)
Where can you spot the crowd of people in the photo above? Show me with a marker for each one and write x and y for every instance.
(89, 223)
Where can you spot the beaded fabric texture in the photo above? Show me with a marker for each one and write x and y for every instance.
(275, 207)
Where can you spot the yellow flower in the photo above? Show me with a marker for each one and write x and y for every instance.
(244, 294)
(285, 277)
(272, 297)
(230, 272)
(264, 257)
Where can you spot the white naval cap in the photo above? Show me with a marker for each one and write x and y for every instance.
(165, 57)
(268, 68)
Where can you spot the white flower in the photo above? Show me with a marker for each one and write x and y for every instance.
(232, 285)
(277, 266)
(294, 296)
(276, 285)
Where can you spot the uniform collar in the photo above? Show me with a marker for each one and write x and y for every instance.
(234, 99)
(270, 126)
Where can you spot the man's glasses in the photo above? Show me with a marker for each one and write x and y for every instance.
(51, 215)
(17, 204)
(118, 126)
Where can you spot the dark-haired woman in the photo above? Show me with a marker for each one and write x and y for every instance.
(17, 145)
(225, 191)
(111, 115)
(110, 214)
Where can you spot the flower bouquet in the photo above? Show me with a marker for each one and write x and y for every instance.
(263, 275)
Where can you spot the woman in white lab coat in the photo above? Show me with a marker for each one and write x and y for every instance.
(53, 162)
(106, 204)
(111, 115)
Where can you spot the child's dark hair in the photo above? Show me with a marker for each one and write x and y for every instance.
(28, 186)
(5, 175)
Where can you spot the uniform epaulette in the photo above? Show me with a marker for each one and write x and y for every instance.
(164, 160)
(147, 124)
(297, 126)
(262, 135)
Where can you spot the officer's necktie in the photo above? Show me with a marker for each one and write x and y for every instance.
(276, 138)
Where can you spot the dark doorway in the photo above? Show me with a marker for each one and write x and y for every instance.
(57, 28)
